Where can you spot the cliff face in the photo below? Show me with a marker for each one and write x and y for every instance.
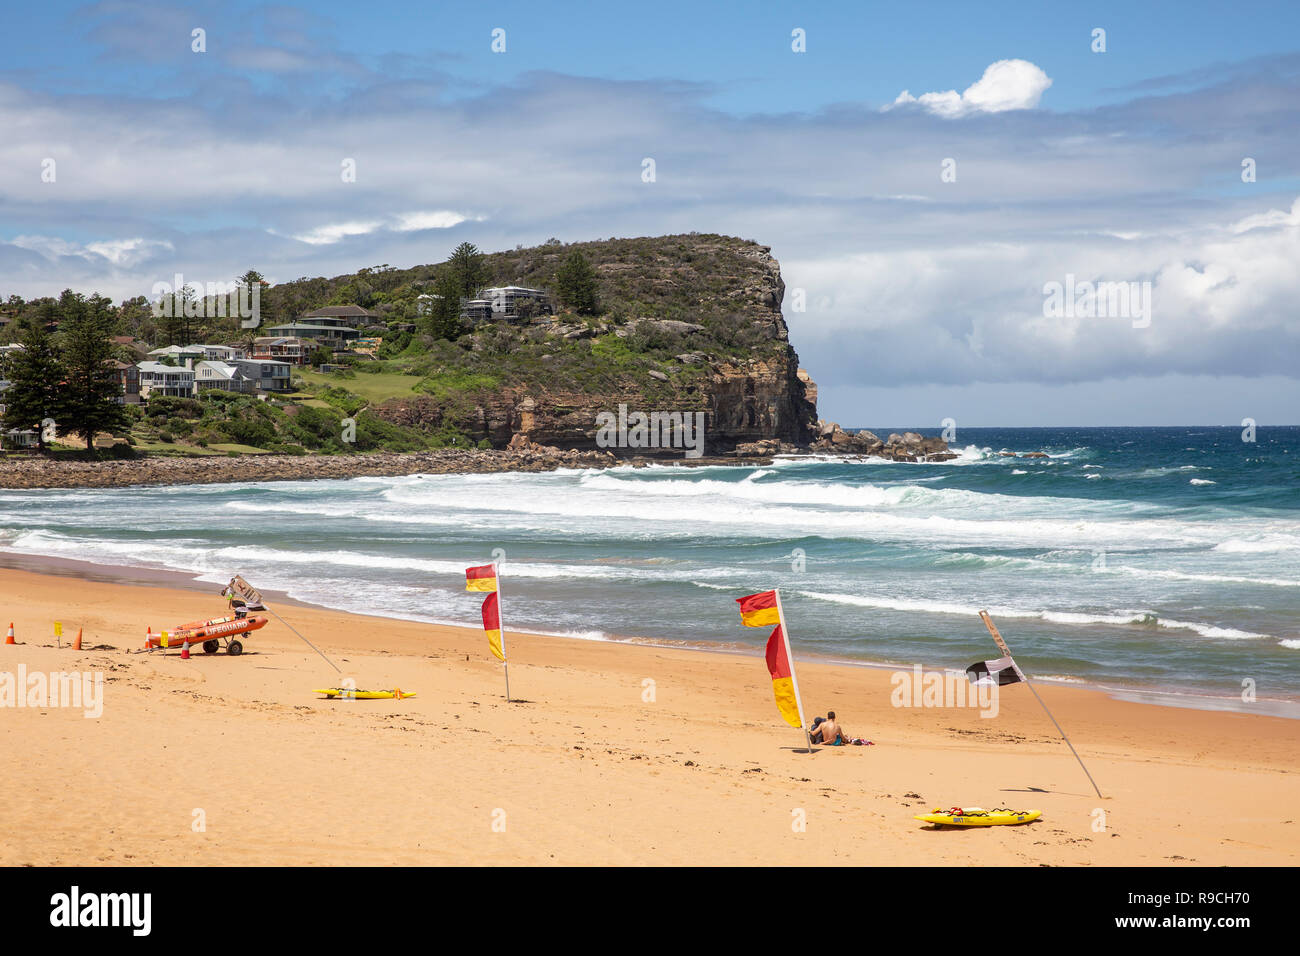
(689, 324)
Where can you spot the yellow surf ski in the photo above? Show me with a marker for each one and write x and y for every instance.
(343, 692)
(977, 817)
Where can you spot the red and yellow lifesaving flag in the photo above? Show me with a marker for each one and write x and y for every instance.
(482, 578)
(759, 610)
(492, 625)
(778, 665)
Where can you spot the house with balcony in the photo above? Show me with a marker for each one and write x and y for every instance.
(177, 354)
(222, 353)
(267, 375)
(159, 379)
(504, 302)
(222, 375)
(282, 349)
(335, 326)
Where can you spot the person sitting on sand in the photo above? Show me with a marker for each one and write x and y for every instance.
(827, 731)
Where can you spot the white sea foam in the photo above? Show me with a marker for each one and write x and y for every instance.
(1119, 618)
(1262, 544)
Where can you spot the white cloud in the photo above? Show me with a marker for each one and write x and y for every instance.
(416, 221)
(125, 253)
(1005, 85)
(334, 232)
(129, 252)
(436, 219)
(1271, 219)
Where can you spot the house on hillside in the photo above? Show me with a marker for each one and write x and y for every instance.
(177, 354)
(281, 349)
(266, 375)
(223, 375)
(160, 379)
(222, 353)
(330, 331)
(505, 302)
(347, 314)
(128, 382)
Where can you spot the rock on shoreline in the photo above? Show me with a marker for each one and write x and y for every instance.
(906, 447)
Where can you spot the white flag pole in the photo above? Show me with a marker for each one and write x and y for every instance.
(1002, 645)
(501, 624)
(789, 657)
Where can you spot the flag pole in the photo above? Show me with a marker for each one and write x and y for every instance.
(1002, 645)
(501, 622)
(794, 680)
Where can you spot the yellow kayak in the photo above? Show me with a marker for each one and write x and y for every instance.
(977, 817)
(332, 692)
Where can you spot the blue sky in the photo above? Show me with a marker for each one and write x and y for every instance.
(924, 297)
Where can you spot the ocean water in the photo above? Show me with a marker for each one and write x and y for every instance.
(1134, 558)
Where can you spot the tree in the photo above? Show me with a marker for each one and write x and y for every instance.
(466, 265)
(88, 400)
(575, 283)
(442, 320)
(34, 373)
(252, 279)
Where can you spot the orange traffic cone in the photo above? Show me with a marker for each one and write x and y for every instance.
(185, 650)
(77, 646)
(148, 639)
(10, 638)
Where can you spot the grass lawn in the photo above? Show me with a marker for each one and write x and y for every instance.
(242, 449)
(172, 448)
(373, 387)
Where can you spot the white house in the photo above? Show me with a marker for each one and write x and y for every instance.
(179, 353)
(221, 353)
(165, 380)
(502, 302)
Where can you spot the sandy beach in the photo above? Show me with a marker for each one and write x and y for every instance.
(234, 761)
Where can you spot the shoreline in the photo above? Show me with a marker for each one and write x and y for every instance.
(608, 754)
(23, 471)
(133, 575)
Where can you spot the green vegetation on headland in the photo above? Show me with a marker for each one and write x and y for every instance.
(643, 318)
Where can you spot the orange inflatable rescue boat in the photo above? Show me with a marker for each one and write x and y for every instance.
(212, 634)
